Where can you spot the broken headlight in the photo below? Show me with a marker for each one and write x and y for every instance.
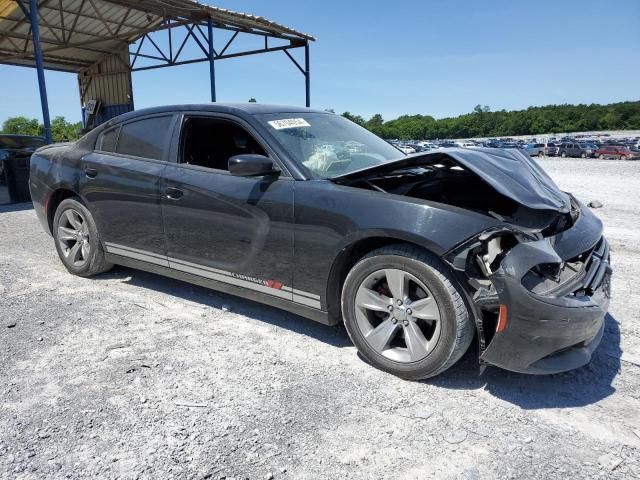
(481, 255)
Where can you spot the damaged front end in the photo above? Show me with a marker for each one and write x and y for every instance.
(540, 301)
(538, 282)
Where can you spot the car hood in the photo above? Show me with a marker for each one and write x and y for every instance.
(510, 172)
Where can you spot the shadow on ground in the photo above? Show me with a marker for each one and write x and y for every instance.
(580, 387)
(334, 336)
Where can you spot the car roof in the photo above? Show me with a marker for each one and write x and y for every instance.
(249, 108)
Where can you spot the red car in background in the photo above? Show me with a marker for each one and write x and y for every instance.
(617, 152)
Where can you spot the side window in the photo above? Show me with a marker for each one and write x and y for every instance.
(210, 142)
(107, 140)
(146, 138)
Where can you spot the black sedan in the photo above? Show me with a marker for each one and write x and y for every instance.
(415, 254)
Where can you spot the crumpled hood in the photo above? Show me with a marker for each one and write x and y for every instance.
(510, 172)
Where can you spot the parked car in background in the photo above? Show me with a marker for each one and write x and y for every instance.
(428, 146)
(572, 149)
(551, 150)
(590, 146)
(406, 149)
(616, 152)
(535, 149)
(15, 151)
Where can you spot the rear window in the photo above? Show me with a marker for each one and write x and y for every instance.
(146, 138)
(108, 139)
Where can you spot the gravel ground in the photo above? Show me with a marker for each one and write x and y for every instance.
(131, 375)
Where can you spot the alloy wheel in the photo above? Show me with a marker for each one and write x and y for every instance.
(73, 237)
(397, 315)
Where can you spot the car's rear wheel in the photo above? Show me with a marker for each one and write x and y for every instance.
(77, 241)
(601, 157)
(404, 313)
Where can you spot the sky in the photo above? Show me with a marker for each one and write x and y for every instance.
(438, 57)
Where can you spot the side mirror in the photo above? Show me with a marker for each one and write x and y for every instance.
(251, 165)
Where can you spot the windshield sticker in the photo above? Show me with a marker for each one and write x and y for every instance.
(289, 123)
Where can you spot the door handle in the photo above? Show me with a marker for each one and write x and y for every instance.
(91, 172)
(173, 193)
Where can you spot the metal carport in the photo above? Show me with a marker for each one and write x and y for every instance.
(103, 41)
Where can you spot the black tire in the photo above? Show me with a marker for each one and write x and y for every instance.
(563, 154)
(95, 262)
(456, 331)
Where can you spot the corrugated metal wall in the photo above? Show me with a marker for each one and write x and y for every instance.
(109, 82)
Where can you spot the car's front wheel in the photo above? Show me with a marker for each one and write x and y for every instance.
(404, 313)
(77, 241)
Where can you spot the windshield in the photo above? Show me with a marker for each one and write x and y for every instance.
(329, 145)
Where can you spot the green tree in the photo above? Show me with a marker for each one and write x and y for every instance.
(253, 100)
(22, 126)
(63, 131)
(375, 124)
(482, 122)
(354, 118)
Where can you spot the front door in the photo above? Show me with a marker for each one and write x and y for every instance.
(235, 230)
(121, 182)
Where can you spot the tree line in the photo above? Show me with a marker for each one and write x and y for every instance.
(61, 130)
(482, 122)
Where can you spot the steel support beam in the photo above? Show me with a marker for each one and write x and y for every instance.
(206, 59)
(307, 75)
(212, 63)
(35, 30)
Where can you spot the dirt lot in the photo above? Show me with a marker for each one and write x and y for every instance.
(130, 375)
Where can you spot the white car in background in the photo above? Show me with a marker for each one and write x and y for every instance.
(406, 149)
(428, 146)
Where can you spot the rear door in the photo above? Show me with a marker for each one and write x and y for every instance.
(235, 230)
(575, 151)
(121, 182)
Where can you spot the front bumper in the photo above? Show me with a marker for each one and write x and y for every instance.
(550, 330)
